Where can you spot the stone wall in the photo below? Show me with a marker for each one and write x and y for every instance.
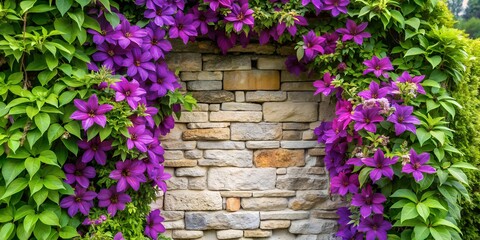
(245, 162)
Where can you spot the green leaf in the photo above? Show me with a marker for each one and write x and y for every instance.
(67, 97)
(300, 53)
(409, 211)
(63, 5)
(105, 132)
(11, 169)
(23, 211)
(33, 136)
(423, 136)
(458, 174)
(421, 232)
(68, 232)
(16, 102)
(54, 132)
(449, 108)
(78, 17)
(31, 111)
(413, 22)
(405, 193)
(32, 165)
(434, 60)
(440, 233)
(363, 176)
(440, 136)
(46, 75)
(49, 218)
(16, 186)
(83, 3)
(414, 51)
(40, 196)
(112, 18)
(398, 17)
(51, 60)
(6, 231)
(25, 6)
(444, 222)
(42, 231)
(22, 234)
(430, 83)
(464, 165)
(29, 222)
(53, 183)
(423, 211)
(73, 128)
(41, 8)
(6, 215)
(106, 4)
(71, 145)
(91, 23)
(42, 120)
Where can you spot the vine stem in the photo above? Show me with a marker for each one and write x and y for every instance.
(26, 84)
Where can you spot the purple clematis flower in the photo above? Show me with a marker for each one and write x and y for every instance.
(159, 177)
(163, 81)
(417, 165)
(294, 66)
(379, 67)
(366, 119)
(214, 4)
(312, 45)
(128, 173)
(374, 91)
(79, 173)
(406, 78)
(104, 35)
(156, 43)
(375, 227)
(298, 20)
(330, 44)
(166, 125)
(324, 86)
(368, 201)
(345, 183)
(95, 149)
(139, 138)
(138, 63)
(118, 236)
(403, 119)
(109, 55)
(113, 200)
(336, 6)
(183, 27)
(154, 224)
(155, 151)
(381, 165)
(354, 31)
(161, 15)
(318, 4)
(201, 19)
(240, 16)
(81, 201)
(90, 112)
(126, 35)
(129, 91)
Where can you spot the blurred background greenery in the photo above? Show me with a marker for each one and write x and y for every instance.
(467, 14)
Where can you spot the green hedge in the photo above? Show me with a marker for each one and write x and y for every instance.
(467, 138)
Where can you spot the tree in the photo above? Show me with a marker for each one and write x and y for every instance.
(456, 7)
(473, 9)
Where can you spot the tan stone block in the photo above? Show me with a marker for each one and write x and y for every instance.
(179, 145)
(316, 152)
(226, 63)
(298, 86)
(292, 135)
(274, 224)
(257, 233)
(279, 158)
(188, 117)
(253, 48)
(266, 96)
(290, 112)
(184, 61)
(213, 96)
(274, 193)
(206, 125)
(207, 134)
(201, 76)
(271, 63)
(234, 116)
(192, 200)
(229, 234)
(232, 204)
(252, 80)
(239, 96)
(180, 163)
(324, 214)
(237, 194)
(187, 234)
(264, 204)
(175, 133)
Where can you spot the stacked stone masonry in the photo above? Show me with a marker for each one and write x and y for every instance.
(245, 164)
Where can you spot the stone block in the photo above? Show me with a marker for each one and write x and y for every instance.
(279, 158)
(294, 126)
(303, 97)
(213, 96)
(266, 96)
(173, 215)
(281, 171)
(192, 200)
(226, 63)
(257, 233)
(254, 131)
(235, 106)
(184, 61)
(274, 63)
(212, 134)
(201, 107)
(298, 86)
(175, 133)
(298, 144)
(234, 116)
(253, 48)
(173, 155)
(301, 182)
(239, 96)
(214, 107)
(232, 204)
(251, 80)
(193, 154)
(285, 214)
(204, 85)
(289, 77)
(190, 172)
(326, 112)
(179, 145)
(264, 204)
(222, 220)
(201, 76)
(316, 152)
(313, 226)
(197, 183)
(221, 145)
(315, 199)
(236, 194)
(188, 117)
(290, 112)
(241, 179)
(178, 224)
(207, 125)
(274, 224)
(274, 193)
(229, 234)
(262, 144)
(227, 158)
(180, 163)
(187, 234)
(309, 135)
(292, 135)
(324, 214)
